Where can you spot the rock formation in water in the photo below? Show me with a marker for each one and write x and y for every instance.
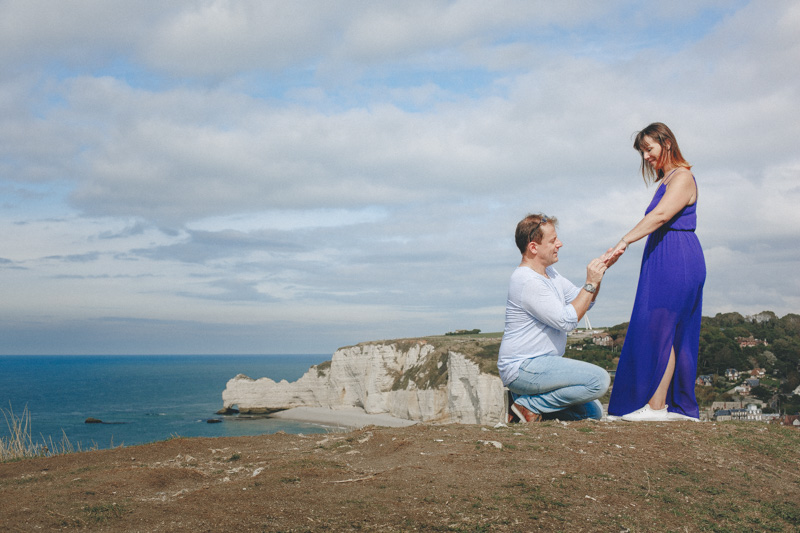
(435, 379)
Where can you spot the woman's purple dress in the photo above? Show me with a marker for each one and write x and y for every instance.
(666, 313)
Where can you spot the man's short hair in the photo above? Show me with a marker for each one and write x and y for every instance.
(529, 230)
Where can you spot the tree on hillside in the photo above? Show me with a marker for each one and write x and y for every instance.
(762, 393)
(718, 352)
(791, 324)
(724, 320)
(787, 352)
(791, 383)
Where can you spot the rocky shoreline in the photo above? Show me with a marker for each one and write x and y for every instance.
(431, 379)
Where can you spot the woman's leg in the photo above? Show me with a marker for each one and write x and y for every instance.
(659, 399)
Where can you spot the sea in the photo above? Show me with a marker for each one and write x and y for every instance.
(139, 398)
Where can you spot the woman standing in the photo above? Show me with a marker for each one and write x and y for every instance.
(657, 368)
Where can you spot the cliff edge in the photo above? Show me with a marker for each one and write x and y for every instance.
(430, 379)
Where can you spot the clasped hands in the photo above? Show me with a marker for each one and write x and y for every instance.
(614, 253)
(598, 266)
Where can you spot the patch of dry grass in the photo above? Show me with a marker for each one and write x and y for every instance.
(20, 443)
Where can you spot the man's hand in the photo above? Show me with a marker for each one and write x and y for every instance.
(595, 270)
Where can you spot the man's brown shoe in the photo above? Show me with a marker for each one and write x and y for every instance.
(512, 416)
(525, 414)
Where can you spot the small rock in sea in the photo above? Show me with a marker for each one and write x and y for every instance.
(213, 420)
(91, 420)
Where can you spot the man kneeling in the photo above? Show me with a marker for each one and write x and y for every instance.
(542, 307)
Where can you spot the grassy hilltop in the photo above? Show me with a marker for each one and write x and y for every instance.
(580, 476)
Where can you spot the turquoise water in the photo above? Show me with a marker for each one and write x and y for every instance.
(143, 398)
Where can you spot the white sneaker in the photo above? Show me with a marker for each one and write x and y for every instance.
(648, 414)
(678, 417)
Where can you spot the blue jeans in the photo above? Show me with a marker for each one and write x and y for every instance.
(562, 388)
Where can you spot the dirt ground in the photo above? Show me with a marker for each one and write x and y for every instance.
(552, 476)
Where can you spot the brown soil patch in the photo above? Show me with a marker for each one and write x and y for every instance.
(552, 476)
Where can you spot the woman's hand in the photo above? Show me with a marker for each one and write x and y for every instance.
(614, 253)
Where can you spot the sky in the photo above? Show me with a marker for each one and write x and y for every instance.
(292, 177)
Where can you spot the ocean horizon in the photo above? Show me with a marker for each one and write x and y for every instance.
(140, 398)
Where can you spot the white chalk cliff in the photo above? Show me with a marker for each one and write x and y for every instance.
(415, 379)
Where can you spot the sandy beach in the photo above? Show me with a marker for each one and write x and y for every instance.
(350, 417)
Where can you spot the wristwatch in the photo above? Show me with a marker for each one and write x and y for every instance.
(590, 288)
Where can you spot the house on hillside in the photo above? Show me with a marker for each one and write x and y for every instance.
(789, 420)
(751, 413)
(752, 382)
(731, 374)
(747, 342)
(722, 415)
(716, 406)
(743, 389)
(706, 380)
(758, 373)
(602, 339)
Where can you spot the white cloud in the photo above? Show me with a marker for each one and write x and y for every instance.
(356, 170)
(288, 220)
